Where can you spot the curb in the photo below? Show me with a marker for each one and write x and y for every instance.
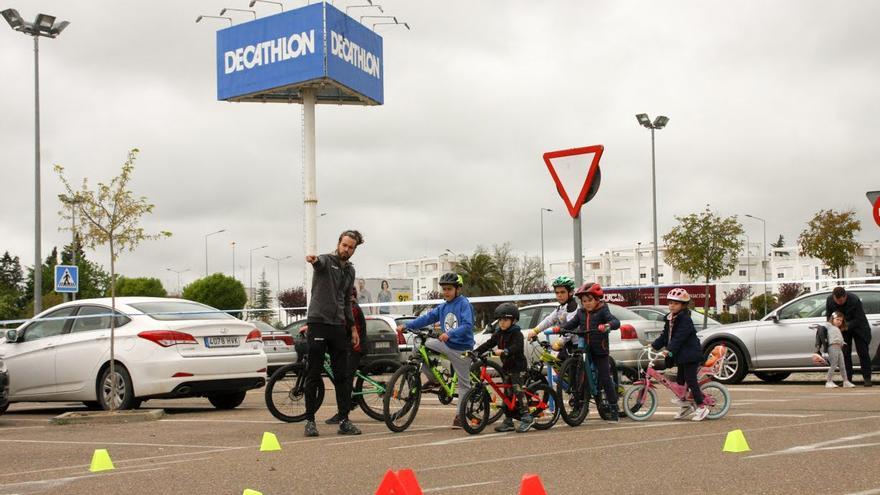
(106, 417)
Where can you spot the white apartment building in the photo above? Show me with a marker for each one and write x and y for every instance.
(425, 272)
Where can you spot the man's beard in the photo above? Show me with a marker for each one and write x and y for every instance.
(343, 256)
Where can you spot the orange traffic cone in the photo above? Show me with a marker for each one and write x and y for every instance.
(409, 482)
(401, 482)
(531, 485)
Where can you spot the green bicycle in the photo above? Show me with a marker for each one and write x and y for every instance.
(401, 403)
(285, 390)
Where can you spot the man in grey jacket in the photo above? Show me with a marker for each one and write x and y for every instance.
(332, 329)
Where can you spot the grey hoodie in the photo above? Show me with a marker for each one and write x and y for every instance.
(331, 291)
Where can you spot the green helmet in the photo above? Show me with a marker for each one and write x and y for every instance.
(563, 281)
(451, 279)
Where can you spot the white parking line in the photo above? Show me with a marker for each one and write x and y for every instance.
(773, 415)
(53, 483)
(379, 439)
(750, 389)
(875, 491)
(453, 487)
(800, 449)
(118, 444)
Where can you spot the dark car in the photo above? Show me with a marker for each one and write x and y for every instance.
(381, 342)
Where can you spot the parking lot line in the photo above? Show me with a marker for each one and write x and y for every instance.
(453, 487)
(380, 439)
(117, 444)
(800, 449)
(774, 415)
(53, 483)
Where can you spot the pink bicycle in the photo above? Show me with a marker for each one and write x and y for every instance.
(640, 399)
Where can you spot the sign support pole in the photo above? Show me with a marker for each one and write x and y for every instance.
(578, 252)
(310, 189)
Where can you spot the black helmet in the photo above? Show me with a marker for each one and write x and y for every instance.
(451, 279)
(507, 310)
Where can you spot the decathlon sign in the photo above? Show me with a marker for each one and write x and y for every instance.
(318, 46)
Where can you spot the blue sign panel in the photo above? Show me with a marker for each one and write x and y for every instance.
(66, 278)
(272, 58)
(354, 55)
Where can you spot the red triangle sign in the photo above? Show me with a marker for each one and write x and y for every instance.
(874, 198)
(574, 207)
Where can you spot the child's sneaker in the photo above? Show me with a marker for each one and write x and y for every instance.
(830, 384)
(680, 403)
(525, 423)
(506, 425)
(848, 385)
(684, 412)
(700, 414)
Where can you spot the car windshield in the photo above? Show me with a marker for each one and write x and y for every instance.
(180, 310)
(622, 313)
(264, 327)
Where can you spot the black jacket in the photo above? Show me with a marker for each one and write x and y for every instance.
(679, 336)
(331, 291)
(512, 343)
(853, 313)
(587, 324)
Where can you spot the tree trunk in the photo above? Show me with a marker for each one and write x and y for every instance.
(706, 306)
(113, 390)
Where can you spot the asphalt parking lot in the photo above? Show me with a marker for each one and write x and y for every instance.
(804, 438)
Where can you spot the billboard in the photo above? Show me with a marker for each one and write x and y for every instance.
(631, 296)
(381, 290)
(273, 58)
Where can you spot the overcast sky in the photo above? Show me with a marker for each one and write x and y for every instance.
(772, 106)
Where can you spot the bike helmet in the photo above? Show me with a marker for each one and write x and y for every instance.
(563, 281)
(590, 288)
(679, 295)
(507, 310)
(451, 279)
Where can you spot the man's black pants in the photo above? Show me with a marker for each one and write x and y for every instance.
(335, 341)
(861, 350)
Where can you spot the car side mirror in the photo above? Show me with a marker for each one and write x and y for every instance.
(775, 318)
(11, 335)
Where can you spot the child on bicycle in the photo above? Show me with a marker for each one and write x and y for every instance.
(508, 344)
(457, 324)
(679, 337)
(563, 288)
(593, 321)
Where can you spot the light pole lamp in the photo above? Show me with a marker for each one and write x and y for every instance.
(43, 26)
(278, 280)
(251, 267)
(233, 260)
(543, 273)
(659, 123)
(206, 248)
(178, 272)
(764, 261)
(254, 2)
(199, 18)
(227, 9)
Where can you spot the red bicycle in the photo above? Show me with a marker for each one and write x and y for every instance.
(541, 400)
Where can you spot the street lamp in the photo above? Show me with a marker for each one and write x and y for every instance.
(233, 260)
(659, 123)
(178, 272)
(543, 274)
(278, 268)
(206, 248)
(764, 262)
(254, 2)
(199, 18)
(227, 9)
(251, 267)
(43, 26)
(368, 5)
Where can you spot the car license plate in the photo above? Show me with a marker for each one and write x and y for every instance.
(221, 341)
(382, 345)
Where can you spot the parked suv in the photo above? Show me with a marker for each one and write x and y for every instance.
(782, 342)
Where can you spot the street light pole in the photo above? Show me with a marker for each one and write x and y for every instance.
(543, 273)
(44, 25)
(178, 272)
(278, 274)
(71, 201)
(764, 261)
(659, 123)
(206, 248)
(251, 268)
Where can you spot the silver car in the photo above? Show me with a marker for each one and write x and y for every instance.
(278, 346)
(658, 313)
(782, 342)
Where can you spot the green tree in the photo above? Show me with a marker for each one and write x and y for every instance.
(779, 242)
(94, 281)
(110, 215)
(140, 286)
(704, 245)
(481, 278)
(830, 237)
(758, 304)
(48, 274)
(12, 298)
(218, 291)
(263, 300)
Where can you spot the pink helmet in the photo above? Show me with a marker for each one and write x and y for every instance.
(679, 295)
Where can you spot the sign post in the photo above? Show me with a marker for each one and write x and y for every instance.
(587, 191)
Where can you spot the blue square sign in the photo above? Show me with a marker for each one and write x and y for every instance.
(66, 278)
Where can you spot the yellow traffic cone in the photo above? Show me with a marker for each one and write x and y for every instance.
(101, 461)
(269, 443)
(248, 491)
(736, 442)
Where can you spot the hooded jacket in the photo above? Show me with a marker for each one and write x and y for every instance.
(512, 343)
(587, 324)
(331, 291)
(457, 321)
(679, 336)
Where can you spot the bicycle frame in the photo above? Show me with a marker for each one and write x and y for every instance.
(501, 389)
(650, 377)
(380, 387)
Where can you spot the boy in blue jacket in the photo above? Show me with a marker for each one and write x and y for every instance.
(457, 325)
(679, 337)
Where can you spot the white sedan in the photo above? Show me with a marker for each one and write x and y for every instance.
(164, 348)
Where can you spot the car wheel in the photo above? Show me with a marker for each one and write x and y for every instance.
(124, 389)
(735, 365)
(772, 377)
(228, 400)
(4, 407)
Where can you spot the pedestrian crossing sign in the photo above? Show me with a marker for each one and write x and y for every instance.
(66, 278)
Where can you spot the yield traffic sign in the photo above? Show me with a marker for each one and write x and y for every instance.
(874, 198)
(592, 177)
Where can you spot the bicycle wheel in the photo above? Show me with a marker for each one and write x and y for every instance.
(285, 393)
(573, 392)
(496, 403)
(369, 387)
(475, 407)
(402, 396)
(719, 393)
(639, 408)
(543, 404)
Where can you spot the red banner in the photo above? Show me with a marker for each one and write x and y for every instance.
(632, 296)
